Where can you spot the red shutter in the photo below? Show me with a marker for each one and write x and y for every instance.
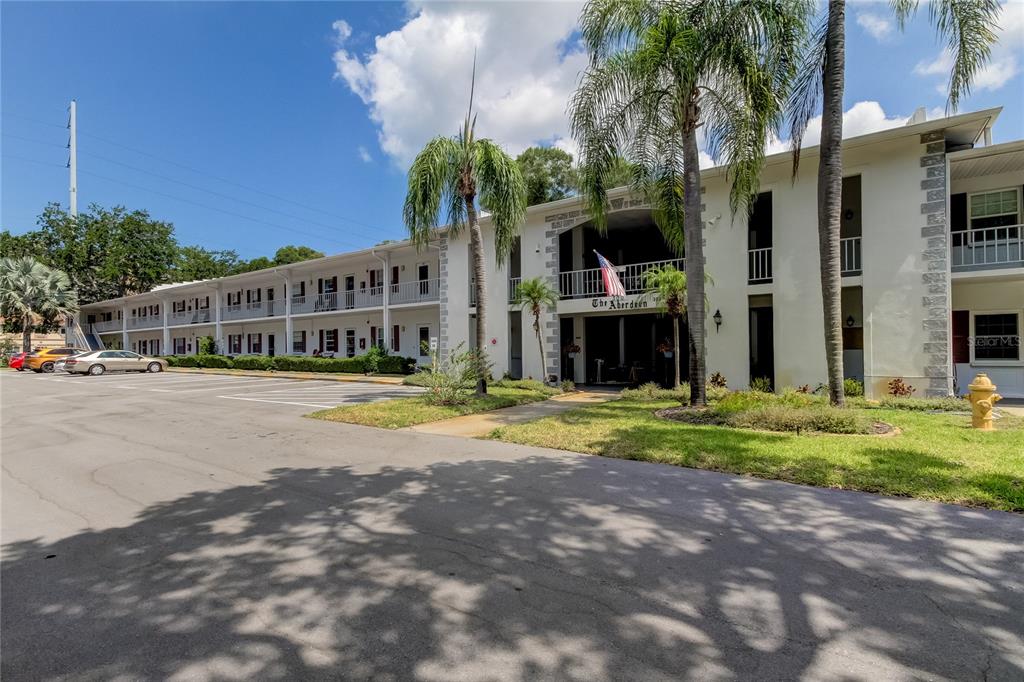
(321, 346)
(336, 344)
(394, 274)
(373, 331)
(394, 338)
(334, 283)
(961, 336)
(320, 286)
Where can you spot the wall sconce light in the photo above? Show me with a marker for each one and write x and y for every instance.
(849, 320)
(718, 320)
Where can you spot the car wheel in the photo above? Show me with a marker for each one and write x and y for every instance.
(155, 367)
(47, 367)
(97, 370)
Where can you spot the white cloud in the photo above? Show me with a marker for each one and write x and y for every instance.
(880, 28)
(860, 119)
(364, 154)
(415, 80)
(1004, 63)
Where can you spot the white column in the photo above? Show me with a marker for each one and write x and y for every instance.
(218, 329)
(288, 324)
(125, 344)
(166, 342)
(386, 317)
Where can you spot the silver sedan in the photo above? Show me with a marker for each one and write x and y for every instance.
(100, 361)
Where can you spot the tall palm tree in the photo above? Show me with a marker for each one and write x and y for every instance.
(534, 295)
(968, 26)
(667, 286)
(661, 69)
(30, 290)
(458, 171)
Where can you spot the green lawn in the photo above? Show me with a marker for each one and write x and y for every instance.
(402, 412)
(934, 457)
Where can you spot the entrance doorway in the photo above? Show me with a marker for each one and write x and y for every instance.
(762, 339)
(270, 345)
(622, 349)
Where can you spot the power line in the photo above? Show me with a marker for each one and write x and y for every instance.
(194, 203)
(29, 139)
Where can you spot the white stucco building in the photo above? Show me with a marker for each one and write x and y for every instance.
(932, 260)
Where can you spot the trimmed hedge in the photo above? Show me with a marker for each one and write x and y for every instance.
(391, 364)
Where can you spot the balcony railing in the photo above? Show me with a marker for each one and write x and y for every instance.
(990, 247)
(589, 283)
(142, 322)
(338, 300)
(759, 266)
(513, 288)
(849, 256)
(248, 311)
(105, 326)
(189, 317)
(413, 292)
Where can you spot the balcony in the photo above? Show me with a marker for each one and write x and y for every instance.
(419, 291)
(145, 321)
(513, 288)
(589, 283)
(759, 266)
(184, 317)
(106, 326)
(338, 300)
(250, 311)
(991, 247)
(849, 256)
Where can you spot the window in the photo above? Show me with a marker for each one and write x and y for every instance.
(350, 343)
(424, 341)
(234, 344)
(997, 336)
(331, 340)
(299, 341)
(995, 209)
(179, 345)
(110, 354)
(255, 343)
(373, 336)
(394, 338)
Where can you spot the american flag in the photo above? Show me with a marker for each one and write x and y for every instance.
(612, 283)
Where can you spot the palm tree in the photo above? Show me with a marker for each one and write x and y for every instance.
(667, 286)
(661, 69)
(533, 295)
(968, 26)
(29, 290)
(458, 171)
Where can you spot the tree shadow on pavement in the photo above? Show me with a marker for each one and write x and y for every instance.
(489, 569)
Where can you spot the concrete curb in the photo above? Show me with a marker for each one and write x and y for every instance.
(308, 376)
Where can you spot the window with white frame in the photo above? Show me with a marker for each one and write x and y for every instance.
(299, 341)
(995, 209)
(997, 336)
(350, 343)
(424, 341)
(179, 345)
(330, 341)
(255, 343)
(234, 344)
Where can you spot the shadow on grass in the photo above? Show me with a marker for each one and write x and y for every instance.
(540, 567)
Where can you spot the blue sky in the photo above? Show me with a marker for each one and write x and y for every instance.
(254, 125)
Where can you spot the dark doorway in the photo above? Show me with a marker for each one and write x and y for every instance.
(762, 340)
(624, 349)
(270, 345)
(566, 339)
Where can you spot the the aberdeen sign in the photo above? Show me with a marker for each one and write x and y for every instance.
(603, 304)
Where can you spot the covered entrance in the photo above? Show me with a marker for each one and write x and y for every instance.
(624, 349)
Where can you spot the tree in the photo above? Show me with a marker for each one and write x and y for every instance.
(194, 263)
(258, 263)
(294, 254)
(667, 286)
(29, 289)
(969, 29)
(458, 171)
(548, 174)
(661, 69)
(534, 295)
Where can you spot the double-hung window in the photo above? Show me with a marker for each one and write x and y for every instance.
(995, 209)
(234, 344)
(299, 341)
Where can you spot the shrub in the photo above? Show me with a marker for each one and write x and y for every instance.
(207, 346)
(717, 380)
(304, 363)
(715, 393)
(900, 389)
(652, 392)
(420, 378)
(183, 361)
(927, 404)
(214, 361)
(7, 348)
(853, 388)
(568, 386)
(372, 359)
(452, 377)
(785, 418)
(523, 385)
(761, 384)
(261, 362)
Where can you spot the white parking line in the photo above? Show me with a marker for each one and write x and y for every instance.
(279, 402)
(221, 385)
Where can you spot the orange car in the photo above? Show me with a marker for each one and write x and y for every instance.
(43, 360)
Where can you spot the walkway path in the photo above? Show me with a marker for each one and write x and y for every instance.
(475, 425)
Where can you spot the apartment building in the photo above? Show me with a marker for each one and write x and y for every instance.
(932, 273)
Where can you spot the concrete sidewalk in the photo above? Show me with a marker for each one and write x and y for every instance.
(476, 425)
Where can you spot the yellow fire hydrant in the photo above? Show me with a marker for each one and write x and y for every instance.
(983, 398)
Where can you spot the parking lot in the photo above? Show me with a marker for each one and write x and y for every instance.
(270, 392)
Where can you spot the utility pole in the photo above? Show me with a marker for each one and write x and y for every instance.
(73, 160)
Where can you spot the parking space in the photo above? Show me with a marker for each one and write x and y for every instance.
(246, 392)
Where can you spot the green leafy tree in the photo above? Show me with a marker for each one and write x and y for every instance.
(29, 290)
(667, 286)
(548, 174)
(258, 263)
(968, 27)
(456, 172)
(295, 254)
(196, 263)
(659, 71)
(534, 295)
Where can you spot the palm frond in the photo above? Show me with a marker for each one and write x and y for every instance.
(432, 181)
(502, 191)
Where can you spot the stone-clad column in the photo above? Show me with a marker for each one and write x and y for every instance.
(443, 292)
(937, 303)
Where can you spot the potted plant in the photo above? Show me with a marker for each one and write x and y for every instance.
(571, 349)
(665, 348)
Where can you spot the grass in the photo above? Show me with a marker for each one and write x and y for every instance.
(402, 412)
(935, 456)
